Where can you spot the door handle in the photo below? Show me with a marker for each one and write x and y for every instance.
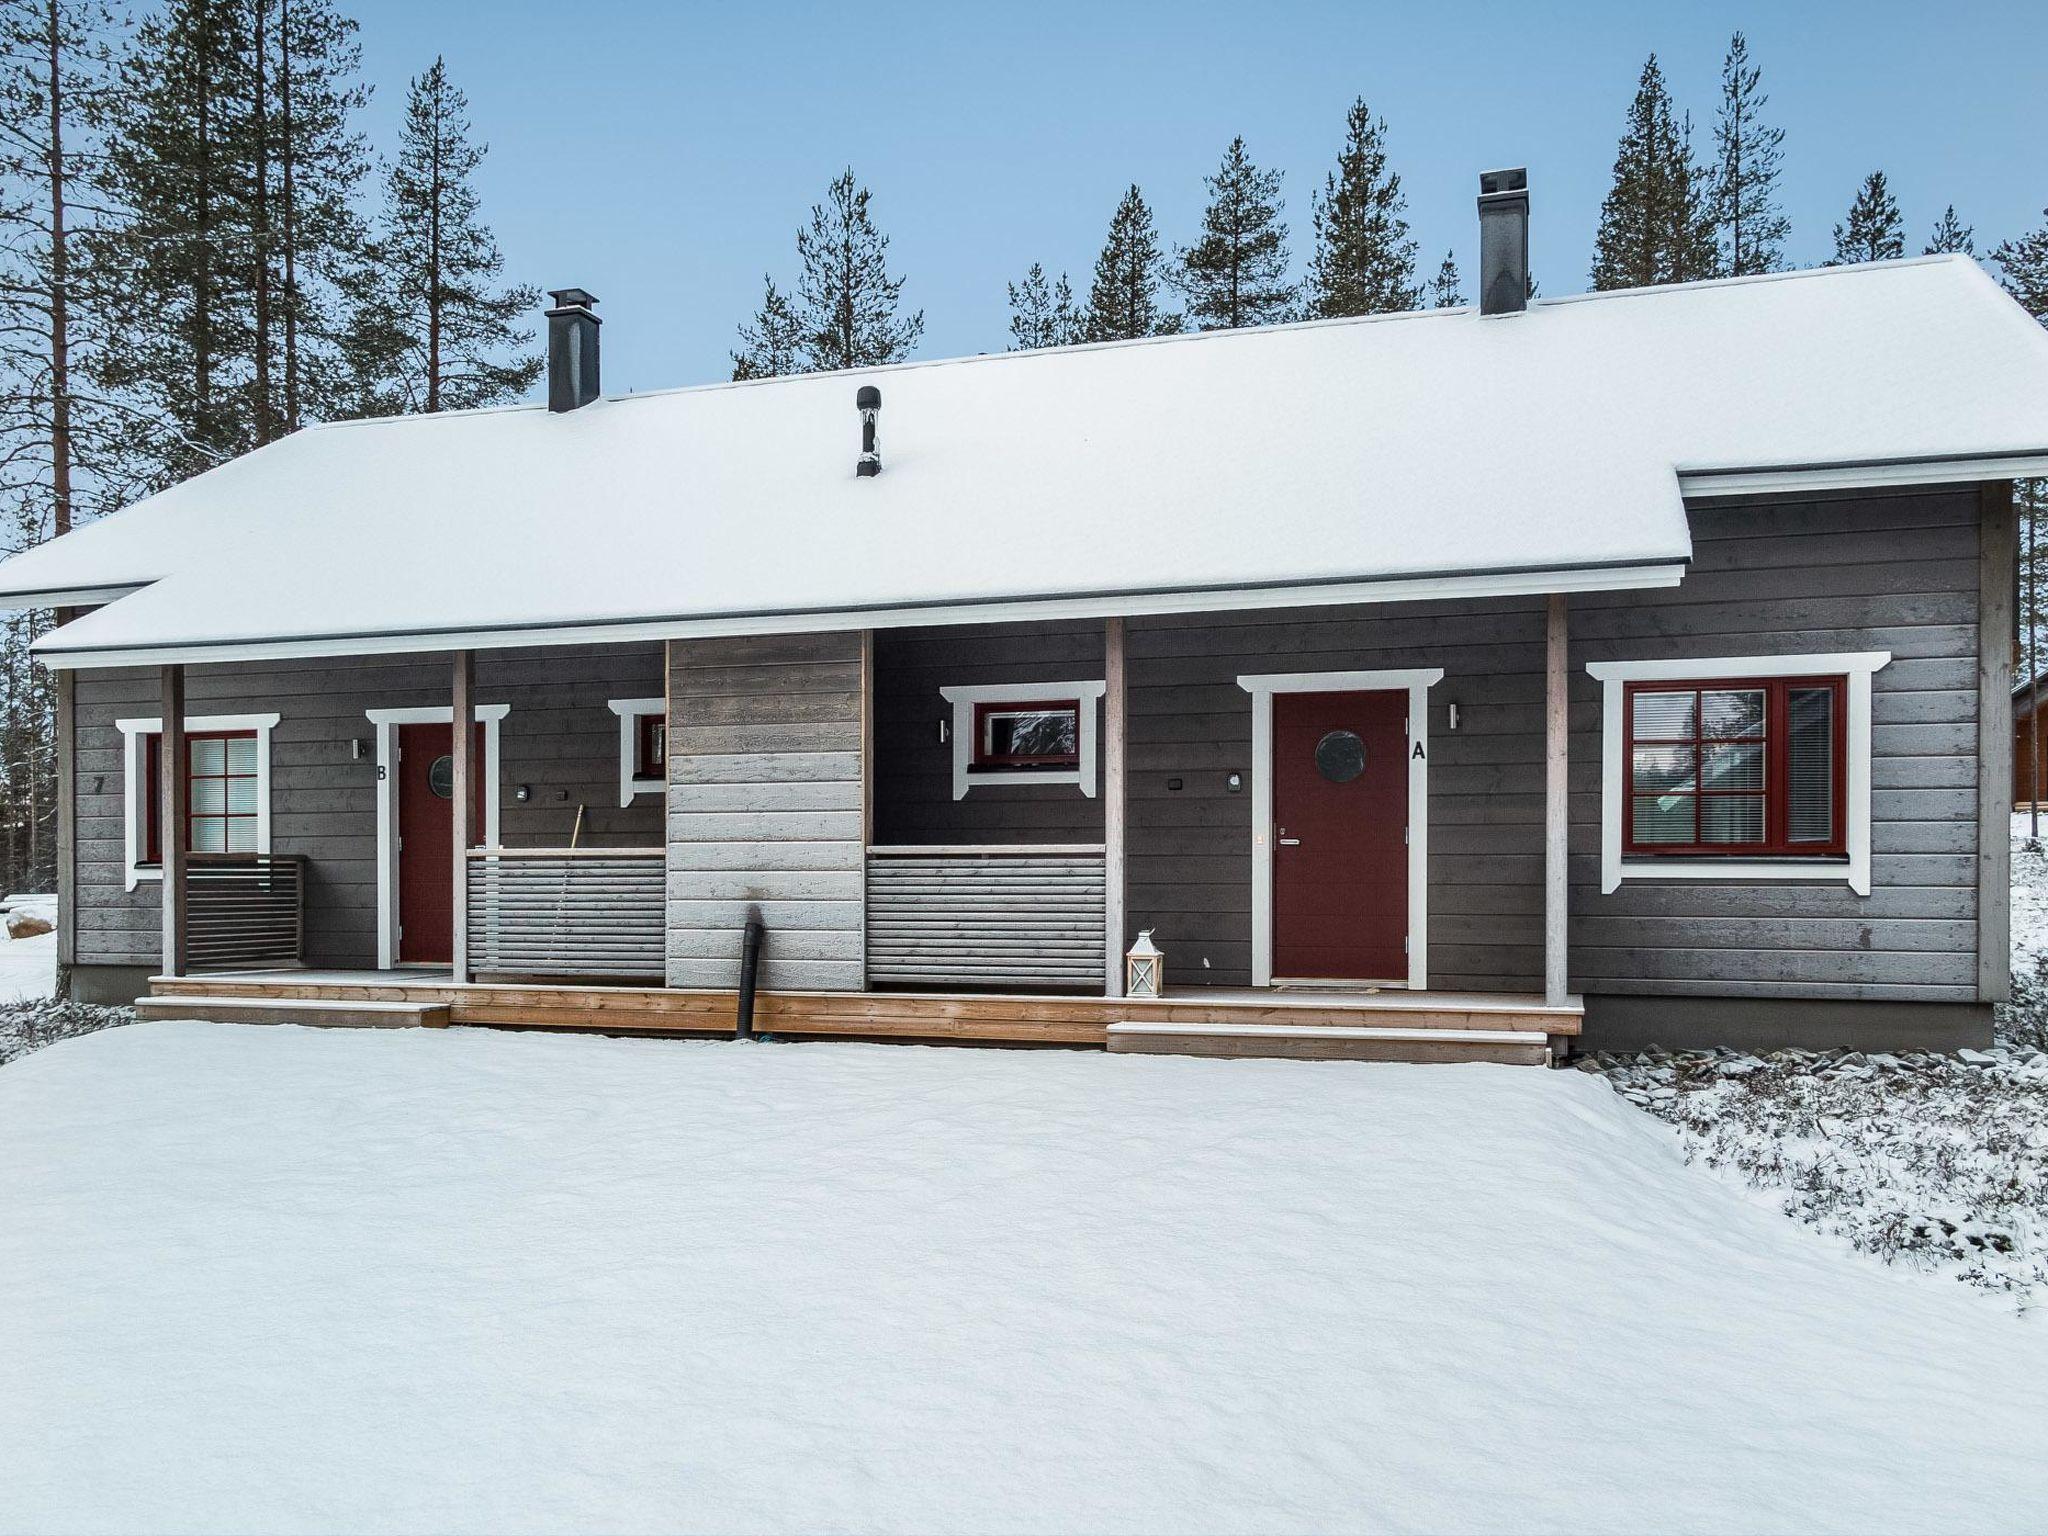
(1290, 842)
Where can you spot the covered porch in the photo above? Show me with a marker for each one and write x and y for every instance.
(828, 787)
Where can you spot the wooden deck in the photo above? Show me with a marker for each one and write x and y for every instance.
(1211, 1018)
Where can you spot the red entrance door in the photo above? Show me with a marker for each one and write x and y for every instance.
(426, 841)
(1340, 836)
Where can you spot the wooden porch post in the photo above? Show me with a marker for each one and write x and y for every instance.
(1556, 799)
(1115, 716)
(462, 754)
(171, 833)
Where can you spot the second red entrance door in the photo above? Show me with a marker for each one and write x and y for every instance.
(1340, 836)
(426, 840)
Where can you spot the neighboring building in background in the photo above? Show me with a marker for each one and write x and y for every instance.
(1433, 685)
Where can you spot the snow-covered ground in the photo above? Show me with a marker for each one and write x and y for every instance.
(28, 967)
(297, 1280)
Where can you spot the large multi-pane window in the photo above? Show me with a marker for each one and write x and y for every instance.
(1736, 767)
(221, 785)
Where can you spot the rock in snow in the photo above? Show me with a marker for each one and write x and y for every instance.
(295, 1280)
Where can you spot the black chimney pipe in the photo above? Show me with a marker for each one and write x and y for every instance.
(869, 403)
(572, 349)
(1503, 242)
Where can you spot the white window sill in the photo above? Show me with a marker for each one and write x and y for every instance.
(1752, 870)
(981, 778)
(647, 786)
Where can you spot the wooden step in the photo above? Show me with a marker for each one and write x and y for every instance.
(354, 1013)
(1365, 1042)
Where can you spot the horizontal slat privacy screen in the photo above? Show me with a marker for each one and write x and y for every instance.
(983, 919)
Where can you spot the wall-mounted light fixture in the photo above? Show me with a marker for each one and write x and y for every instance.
(522, 793)
(1453, 721)
(1234, 782)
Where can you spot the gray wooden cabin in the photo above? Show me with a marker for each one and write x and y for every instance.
(1730, 763)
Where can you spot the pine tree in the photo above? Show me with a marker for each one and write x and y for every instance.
(1752, 226)
(1123, 300)
(845, 294)
(433, 330)
(1042, 314)
(1874, 230)
(1364, 261)
(2023, 264)
(1236, 274)
(1444, 292)
(179, 272)
(1951, 235)
(1657, 222)
(772, 344)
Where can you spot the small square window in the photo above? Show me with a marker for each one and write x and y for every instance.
(1036, 735)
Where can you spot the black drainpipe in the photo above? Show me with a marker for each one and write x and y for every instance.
(750, 965)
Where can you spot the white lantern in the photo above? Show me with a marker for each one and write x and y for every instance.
(1144, 968)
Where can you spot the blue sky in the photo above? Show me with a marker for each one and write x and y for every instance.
(661, 155)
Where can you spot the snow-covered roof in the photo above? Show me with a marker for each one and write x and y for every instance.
(1393, 456)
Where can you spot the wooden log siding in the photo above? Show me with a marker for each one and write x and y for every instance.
(559, 740)
(244, 911)
(566, 912)
(764, 739)
(975, 919)
(1896, 572)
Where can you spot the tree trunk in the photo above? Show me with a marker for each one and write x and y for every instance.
(434, 266)
(288, 216)
(60, 294)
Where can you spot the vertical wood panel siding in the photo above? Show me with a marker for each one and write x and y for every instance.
(914, 770)
(764, 742)
(559, 738)
(1895, 572)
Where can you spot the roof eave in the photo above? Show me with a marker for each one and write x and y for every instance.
(1617, 576)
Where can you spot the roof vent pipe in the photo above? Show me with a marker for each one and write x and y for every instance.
(869, 402)
(1503, 241)
(572, 349)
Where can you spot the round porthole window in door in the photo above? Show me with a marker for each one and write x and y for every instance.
(1340, 756)
(441, 776)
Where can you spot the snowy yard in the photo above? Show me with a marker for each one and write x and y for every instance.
(284, 1279)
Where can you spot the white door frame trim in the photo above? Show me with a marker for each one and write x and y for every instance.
(387, 722)
(1417, 681)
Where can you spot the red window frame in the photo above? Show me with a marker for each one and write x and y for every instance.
(983, 759)
(153, 797)
(1777, 796)
(650, 746)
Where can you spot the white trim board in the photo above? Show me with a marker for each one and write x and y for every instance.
(964, 697)
(52, 653)
(387, 721)
(1854, 870)
(1845, 477)
(134, 782)
(631, 712)
(1262, 686)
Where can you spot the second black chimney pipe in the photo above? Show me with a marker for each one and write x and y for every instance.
(572, 349)
(1503, 241)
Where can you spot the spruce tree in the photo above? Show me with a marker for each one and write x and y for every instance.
(1657, 221)
(316, 238)
(1123, 300)
(1236, 273)
(179, 272)
(1951, 235)
(1042, 314)
(1364, 261)
(1444, 291)
(1749, 155)
(845, 295)
(772, 343)
(2023, 265)
(1874, 230)
(434, 330)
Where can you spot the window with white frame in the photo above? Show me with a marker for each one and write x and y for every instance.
(643, 746)
(227, 789)
(1024, 733)
(1752, 767)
